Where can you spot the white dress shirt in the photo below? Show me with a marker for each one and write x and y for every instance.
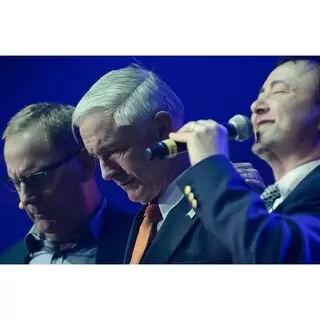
(290, 180)
(169, 199)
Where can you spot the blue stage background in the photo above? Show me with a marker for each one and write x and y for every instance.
(210, 87)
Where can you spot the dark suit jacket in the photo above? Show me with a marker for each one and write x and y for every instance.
(180, 240)
(237, 216)
(113, 235)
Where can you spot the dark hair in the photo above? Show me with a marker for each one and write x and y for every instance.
(313, 60)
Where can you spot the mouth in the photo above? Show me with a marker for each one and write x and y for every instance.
(37, 213)
(263, 122)
(125, 183)
(128, 181)
(40, 216)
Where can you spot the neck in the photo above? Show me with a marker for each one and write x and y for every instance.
(281, 165)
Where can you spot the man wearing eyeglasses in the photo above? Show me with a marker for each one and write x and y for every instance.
(55, 180)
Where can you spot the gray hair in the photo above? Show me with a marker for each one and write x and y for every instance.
(55, 119)
(132, 96)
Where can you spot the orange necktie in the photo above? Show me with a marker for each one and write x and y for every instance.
(151, 218)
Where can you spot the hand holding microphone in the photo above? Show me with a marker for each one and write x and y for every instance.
(202, 139)
(251, 176)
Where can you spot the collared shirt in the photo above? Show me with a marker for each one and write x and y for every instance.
(81, 251)
(169, 199)
(290, 180)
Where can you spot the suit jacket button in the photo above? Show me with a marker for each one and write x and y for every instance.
(194, 204)
(190, 196)
(187, 190)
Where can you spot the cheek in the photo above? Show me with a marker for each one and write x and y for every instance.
(66, 185)
(136, 164)
(281, 112)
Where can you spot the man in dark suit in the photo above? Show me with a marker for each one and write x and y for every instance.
(286, 121)
(55, 180)
(123, 113)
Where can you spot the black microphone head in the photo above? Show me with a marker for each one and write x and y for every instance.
(243, 127)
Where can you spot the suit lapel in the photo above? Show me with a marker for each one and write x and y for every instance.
(112, 237)
(133, 234)
(308, 188)
(172, 232)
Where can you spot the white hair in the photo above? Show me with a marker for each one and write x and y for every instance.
(131, 95)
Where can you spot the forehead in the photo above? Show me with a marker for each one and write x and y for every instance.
(27, 150)
(98, 130)
(96, 124)
(300, 74)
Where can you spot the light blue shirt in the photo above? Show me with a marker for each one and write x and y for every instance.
(45, 252)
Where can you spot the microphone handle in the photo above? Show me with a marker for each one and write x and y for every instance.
(166, 149)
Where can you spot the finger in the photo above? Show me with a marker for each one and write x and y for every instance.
(208, 123)
(180, 136)
(187, 131)
(253, 178)
(197, 126)
(188, 127)
(250, 171)
(251, 175)
(254, 184)
(243, 165)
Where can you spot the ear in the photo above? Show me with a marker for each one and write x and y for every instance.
(163, 125)
(87, 165)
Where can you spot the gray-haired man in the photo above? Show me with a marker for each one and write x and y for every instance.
(123, 113)
(55, 180)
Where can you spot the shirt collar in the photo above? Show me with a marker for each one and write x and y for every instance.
(170, 198)
(290, 180)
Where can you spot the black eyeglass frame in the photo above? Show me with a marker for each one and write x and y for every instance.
(45, 171)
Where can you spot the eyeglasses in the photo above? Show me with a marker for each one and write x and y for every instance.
(38, 179)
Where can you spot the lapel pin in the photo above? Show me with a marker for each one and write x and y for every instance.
(191, 214)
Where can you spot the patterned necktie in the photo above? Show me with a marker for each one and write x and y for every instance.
(151, 218)
(270, 195)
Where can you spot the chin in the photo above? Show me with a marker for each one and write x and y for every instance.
(45, 226)
(141, 198)
(140, 194)
(263, 151)
(256, 147)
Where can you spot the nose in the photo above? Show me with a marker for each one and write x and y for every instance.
(25, 194)
(107, 168)
(259, 107)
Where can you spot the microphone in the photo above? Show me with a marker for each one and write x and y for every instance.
(239, 129)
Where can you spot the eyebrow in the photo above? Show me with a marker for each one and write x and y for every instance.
(273, 83)
(106, 149)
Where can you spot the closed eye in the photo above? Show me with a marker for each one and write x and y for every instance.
(280, 91)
